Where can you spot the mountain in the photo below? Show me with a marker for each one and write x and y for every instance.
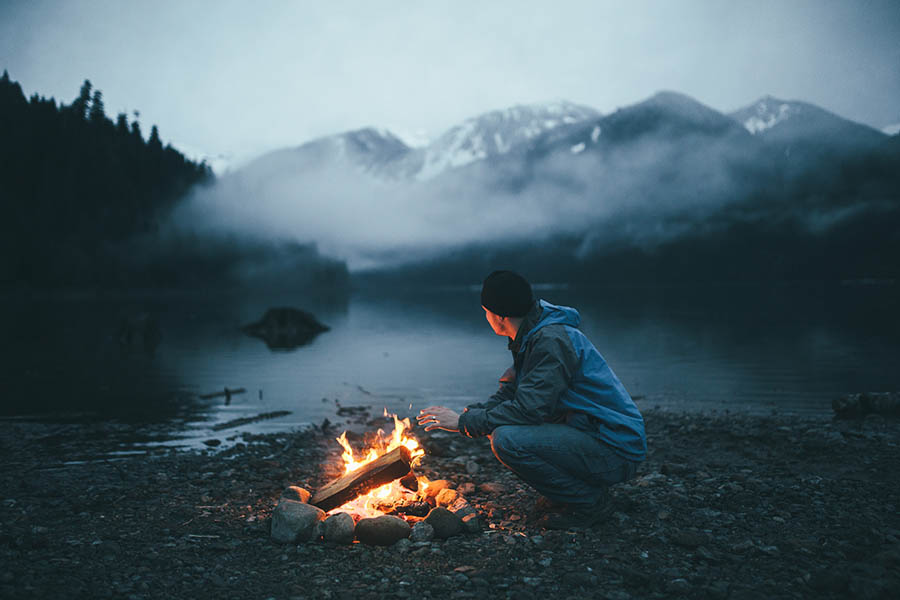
(893, 129)
(553, 184)
(496, 133)
(383, 155)
(376, 152)
(802, 132)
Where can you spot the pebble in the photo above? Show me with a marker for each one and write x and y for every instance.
(445, 523)
(421, 532)
(382, 531)
(434, 487)
(339, 529)
(297, 493)
(466, 488)
(471, 523)
(294, 521)
(492, 487)
(678, 585)
(446, 497)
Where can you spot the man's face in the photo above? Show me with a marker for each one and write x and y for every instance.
(498, 323)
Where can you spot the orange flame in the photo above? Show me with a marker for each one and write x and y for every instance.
(363, 506)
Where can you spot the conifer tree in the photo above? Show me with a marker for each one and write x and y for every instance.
(154, 142)
(97, 114)
(81, 104)
(122, 124)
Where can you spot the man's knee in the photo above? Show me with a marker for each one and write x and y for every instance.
(503, 441)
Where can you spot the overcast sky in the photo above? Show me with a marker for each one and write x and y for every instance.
(241, 78)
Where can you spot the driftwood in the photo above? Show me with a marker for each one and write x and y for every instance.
(382, 470)
(226, 393)
(245, 420)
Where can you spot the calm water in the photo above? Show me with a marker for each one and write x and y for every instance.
(741, 348)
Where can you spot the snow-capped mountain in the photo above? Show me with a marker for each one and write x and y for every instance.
(385, 155)
(370, 150)
(766, 113)
(781, 119)
(496, 133)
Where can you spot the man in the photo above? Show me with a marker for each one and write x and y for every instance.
(561, 420)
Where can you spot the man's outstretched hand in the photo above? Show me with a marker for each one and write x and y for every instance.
(438, 417)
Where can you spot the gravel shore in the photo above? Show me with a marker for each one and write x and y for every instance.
(725, 506)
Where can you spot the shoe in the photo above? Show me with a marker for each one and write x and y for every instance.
(577, 516)
(544, 505)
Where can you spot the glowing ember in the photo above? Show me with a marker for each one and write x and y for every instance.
(364, 506)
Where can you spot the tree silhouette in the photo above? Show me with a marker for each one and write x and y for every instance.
(82, 102)
(76, 187)
(96, 113)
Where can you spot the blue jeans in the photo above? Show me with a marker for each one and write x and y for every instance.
(560, 462)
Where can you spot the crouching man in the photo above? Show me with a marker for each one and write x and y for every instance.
(561, 420)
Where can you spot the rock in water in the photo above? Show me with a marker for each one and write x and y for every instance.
(295, 492)
(294, 521)
(382, 531)
(421, 532)
(445, 523)
(339, 528)
(286, 328)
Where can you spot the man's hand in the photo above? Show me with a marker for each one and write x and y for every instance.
(438, 417)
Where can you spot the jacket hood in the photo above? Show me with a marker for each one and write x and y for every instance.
(551, 315)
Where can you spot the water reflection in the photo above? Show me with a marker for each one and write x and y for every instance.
(153, 357)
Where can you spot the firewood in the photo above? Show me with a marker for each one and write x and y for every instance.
(382, 470)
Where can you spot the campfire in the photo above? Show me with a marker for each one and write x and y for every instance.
(379, 499)
(381, 481)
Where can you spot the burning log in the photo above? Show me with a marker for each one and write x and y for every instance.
(383, 470)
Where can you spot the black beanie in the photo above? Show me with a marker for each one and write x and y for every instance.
(506, 294)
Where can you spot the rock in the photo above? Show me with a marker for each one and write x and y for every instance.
(294, 521)
(491, 487)
(421, 532)
(674, 469)
(446, 497)
(857, 405)
(414, 509)
(319, 532)
(471, 524)
(445, 523)
(689, 539)
(472, 467)
(410, 482)
(339, 528)
(458, 505)
(403, 545)
(466, 488)
(297, 493)
(679, 585)
(382, 531)
(435, 487)
(577, 579)
(212, 443)
(462, 511)
(286, 328)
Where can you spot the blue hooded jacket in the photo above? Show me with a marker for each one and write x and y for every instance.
(561, 377)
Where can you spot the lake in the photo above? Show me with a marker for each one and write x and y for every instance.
(789, 348)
